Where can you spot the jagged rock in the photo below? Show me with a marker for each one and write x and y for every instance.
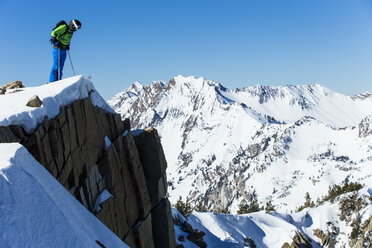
(34, 102)
(186, 227)
(194, 236)
(72, 148)
(14, 85)
(153, 160)
(2, 90)
(249, 241)
(328, 238)
(365, 239)
(154, 165)
(144, 233)
(126, 124)
(19, 132)
(100, 244)
(365, 127)
(299, 241)
(162, 225)
(197, 238)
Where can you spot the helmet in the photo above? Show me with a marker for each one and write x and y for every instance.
(75, 24)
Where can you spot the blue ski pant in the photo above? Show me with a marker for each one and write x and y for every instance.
(62, 57)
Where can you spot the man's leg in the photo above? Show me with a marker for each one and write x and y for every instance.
(63, 54)
(54, 72)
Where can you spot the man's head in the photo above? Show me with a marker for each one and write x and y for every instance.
(75, 25)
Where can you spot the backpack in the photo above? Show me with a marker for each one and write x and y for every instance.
(61, 23)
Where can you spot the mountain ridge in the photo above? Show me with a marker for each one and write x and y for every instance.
(298, 97)
(220, 144)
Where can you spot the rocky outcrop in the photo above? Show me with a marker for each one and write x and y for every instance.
(14, 85)
(34, 102)
(7, 135)
(10, 86)
(299, 241)
(193, 235)
(365, 238)
(118, 177)
(329, 237)
(365, 127)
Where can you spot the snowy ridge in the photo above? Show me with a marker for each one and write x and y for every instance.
(36, 211)
(224, 145)
(54, 96)
(273, 229)
(290, 103)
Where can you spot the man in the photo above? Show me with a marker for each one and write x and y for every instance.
(61, 38)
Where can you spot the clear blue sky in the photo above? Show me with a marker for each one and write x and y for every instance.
(235, 42)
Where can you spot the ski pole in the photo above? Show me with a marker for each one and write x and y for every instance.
(73, 70)
(59, 66)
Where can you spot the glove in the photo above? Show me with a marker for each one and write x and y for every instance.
(68, 47)
(53, 40)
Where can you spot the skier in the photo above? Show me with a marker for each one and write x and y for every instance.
(61, 38)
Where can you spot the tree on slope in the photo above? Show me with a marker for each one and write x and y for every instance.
(184, 207)
(249, 206)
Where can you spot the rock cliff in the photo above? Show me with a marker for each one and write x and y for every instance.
(119, 176)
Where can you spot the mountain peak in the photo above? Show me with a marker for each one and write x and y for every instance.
(363, 96)
(137, 86)
(189, 81)
(287, 103)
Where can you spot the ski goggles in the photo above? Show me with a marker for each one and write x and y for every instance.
(75, 26)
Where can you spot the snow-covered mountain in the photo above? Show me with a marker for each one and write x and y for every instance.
(223, 146)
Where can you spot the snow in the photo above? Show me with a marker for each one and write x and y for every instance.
(36, 211)
(54, 96)
(291, 103)
(107, 142)
(178, 232)
(207, 132)
(101, 198)
(270, 229)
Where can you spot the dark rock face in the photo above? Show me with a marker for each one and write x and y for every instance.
(154, 165)
(7, 136)
(72, 148)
